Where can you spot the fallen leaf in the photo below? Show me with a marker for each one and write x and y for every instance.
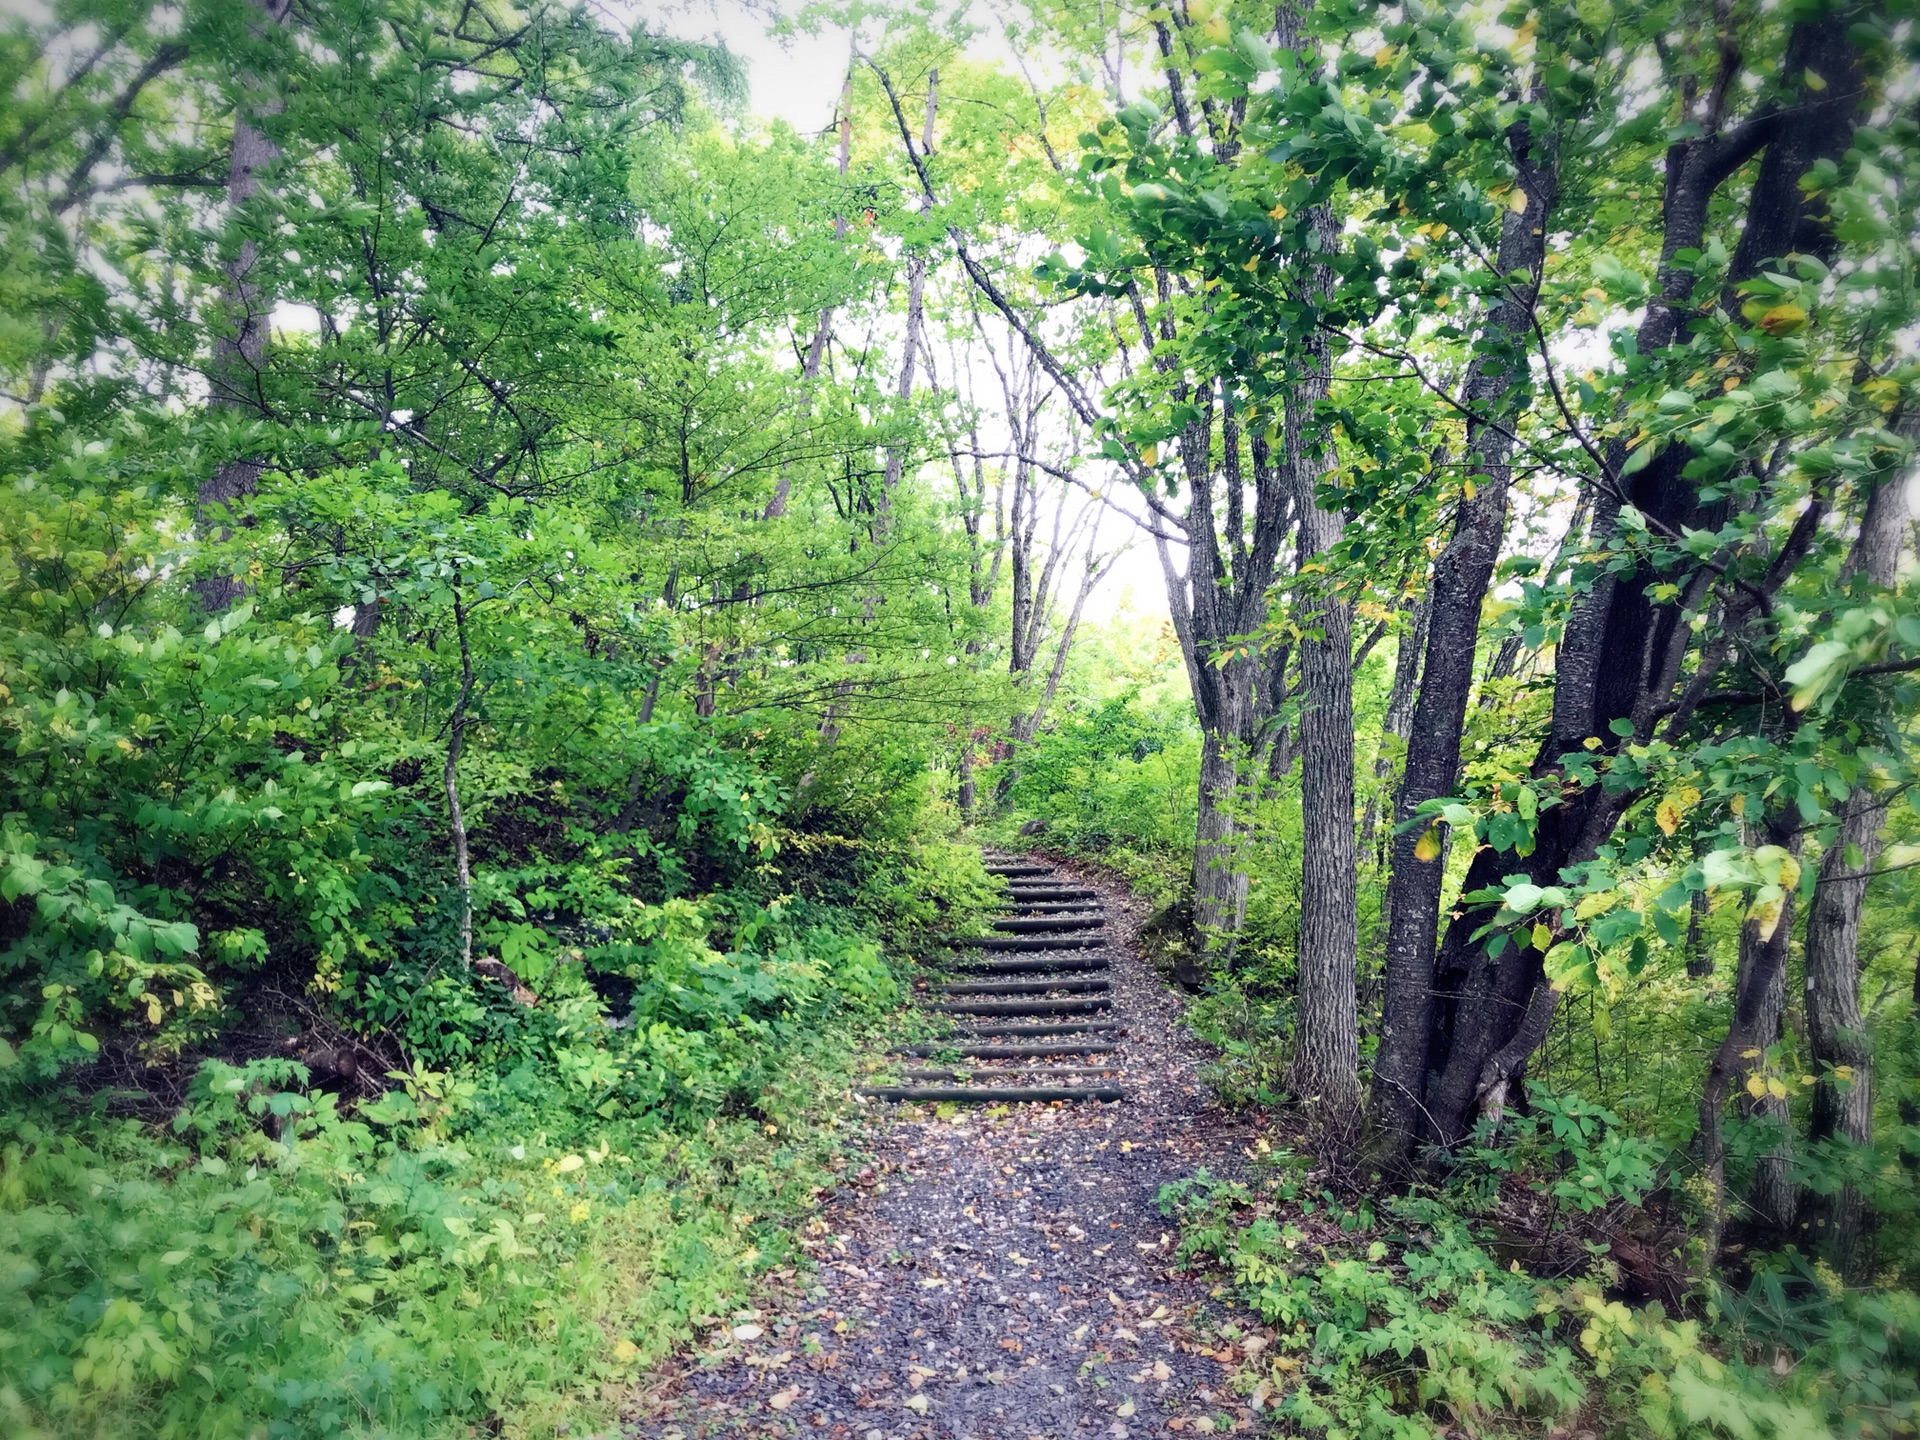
(1126, 1409)
(747, 1332)
(918, 1404)
(782, 1399)
(1160, 1370)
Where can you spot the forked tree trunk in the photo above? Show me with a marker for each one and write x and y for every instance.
(1494, 390)
(1622, 652)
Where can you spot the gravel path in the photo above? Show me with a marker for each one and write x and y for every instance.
(1004, 1272)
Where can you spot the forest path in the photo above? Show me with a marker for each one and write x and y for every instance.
(1002, 1274)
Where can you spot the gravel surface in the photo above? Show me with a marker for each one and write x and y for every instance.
(1002, 1272)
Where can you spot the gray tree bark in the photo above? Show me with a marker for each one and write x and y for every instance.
(1325, 1073)
(1837, 1040)
(1495, 391)
(240, 347)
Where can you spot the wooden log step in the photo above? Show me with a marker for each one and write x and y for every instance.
(1031, 965)
(1026, 987)
(1038, 1072)
(1070, 1027)
(1045, 924)
(1053, 892)
(1057, 907)
(1021, 1007)
(1029, 942)
(1013, 1052)
(1021, 872)
(991, 1095)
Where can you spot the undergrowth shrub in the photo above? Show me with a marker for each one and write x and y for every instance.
(1404, 1325)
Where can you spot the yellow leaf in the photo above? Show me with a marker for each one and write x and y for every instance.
(1427, 848)
(1784, 320)
(1667, 816)
(1815, 81)
(1843, 1072)
(568, 1164)
(1756, 1087)
(782, 1399)
(1470, 488)
(624, 1350)
(579, 1212)
(1766, 916)
(1383, 57)
(1593, 905)
(1542, 937)
(1517, 202)
(1776, 1088)
(1150, 455)
(1749, 1054)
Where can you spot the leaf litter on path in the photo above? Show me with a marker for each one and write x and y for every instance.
(1000, 1274)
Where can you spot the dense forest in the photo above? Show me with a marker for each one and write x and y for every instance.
(525, 586)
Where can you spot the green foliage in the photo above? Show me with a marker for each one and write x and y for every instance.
(1408, 1325)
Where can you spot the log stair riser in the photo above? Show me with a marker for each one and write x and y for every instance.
(1027, 987)
(983, 1095)
(1021, 1007)
(1013, 1052)
(1039, 965)
(1049, 926)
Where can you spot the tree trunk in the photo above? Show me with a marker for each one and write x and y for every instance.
(915, 321)
(1397, 722)
(1620, 656)
(1219, 881)
(1461, 574)
(1759, 1000)
(1326, 1054)
(240, 347)
(1837, 1040)
(450, 779)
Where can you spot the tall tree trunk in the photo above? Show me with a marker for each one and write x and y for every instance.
(1494, 390)
(450, 780)
(1397, 722)
(1837, 1040)
(1621, 653)
(823, 328)
(1326, 1052)
(915, 322)
(240, 347)
(1760, 988)
(1771, 1191)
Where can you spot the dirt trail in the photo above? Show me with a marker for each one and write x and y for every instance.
(998, 1274)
